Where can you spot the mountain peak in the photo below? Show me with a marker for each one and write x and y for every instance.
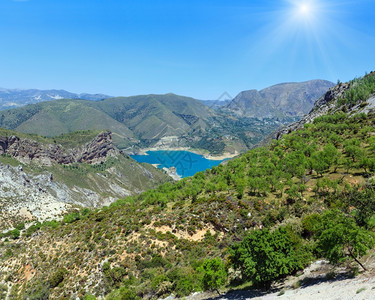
(280, 100)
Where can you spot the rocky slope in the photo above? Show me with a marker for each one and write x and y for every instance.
(329, 103)
(279, 101)
(41, 180)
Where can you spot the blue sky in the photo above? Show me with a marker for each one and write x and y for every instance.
(194, 48)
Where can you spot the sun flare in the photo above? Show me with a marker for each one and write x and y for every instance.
(304, 9)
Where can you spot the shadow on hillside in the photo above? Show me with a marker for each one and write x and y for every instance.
(242, 294)
(310, 281)
(303, 283)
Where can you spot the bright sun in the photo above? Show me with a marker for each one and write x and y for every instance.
(304, 9)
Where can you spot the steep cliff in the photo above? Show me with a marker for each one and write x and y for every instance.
(41, 179)
(27, 150)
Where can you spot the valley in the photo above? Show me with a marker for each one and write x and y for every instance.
(200, 150)
(248, 223)
(166, 122)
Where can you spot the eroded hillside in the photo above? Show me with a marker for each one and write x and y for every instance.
(43, 178)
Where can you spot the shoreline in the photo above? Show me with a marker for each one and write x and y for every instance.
(225, 155)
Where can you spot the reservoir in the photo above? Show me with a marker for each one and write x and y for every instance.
(185, 162)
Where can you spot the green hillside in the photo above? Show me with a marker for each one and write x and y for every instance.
(248, 223)
(144, 118)
(161, 121)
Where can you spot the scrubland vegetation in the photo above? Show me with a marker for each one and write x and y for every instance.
(249, 222)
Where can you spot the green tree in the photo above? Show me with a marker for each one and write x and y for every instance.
(353, 150)
(330, 155)
(214, 274)
(265, 256)
(341, 238)
(318, 163)
(364, 203)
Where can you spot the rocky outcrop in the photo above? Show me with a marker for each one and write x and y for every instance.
(324, 105)
(26, 150)
(50, 186)
(98, 149)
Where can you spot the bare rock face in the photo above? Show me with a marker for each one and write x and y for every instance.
(3, 144)
(26, 150)
(45, 193)
(98, 149)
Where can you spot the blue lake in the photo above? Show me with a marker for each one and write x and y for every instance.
(186, 163)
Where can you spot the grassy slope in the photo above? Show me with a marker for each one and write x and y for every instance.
(155, 242)
(68, 140)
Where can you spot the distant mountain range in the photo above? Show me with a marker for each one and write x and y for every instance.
(281, 100)
(167, 121)
(134, 120)
(12, 98)
(215, 103)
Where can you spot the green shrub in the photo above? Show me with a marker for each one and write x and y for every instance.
(214, 274)
(20, 226)
(265, 256)
(70, 218)
(15, 234)
(57, 277)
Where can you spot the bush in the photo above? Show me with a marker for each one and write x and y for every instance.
(123, 293)
(214, 274)
(20, 226)
(265, 256)
(57, 278)
(15, 234)
(114, 276)
(70, 218)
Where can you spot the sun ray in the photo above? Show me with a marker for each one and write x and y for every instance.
(303, 31)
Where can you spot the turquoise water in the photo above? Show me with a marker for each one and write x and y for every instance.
(186, 163)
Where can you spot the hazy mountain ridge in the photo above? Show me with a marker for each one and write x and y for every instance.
(279, 101)
(12, 98)
(165, 121)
